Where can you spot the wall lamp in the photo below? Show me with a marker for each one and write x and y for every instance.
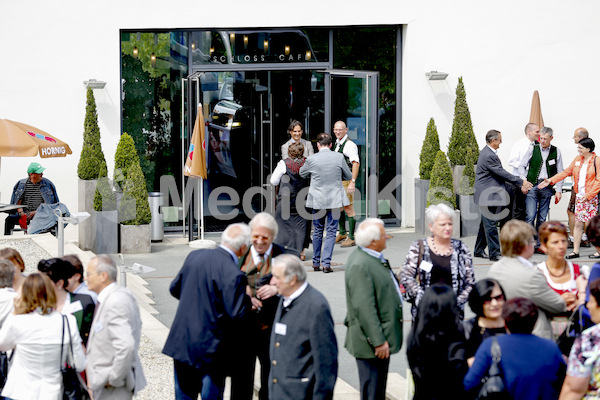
(436, 76)
(94, 84)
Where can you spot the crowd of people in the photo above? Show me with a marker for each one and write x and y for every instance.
(49, 320)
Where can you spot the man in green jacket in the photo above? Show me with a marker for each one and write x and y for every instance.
(374, 318)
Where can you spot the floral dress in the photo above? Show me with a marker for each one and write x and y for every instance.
(584, 360)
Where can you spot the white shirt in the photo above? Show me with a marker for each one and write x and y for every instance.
(517, 153)
(257, 258)
(278, 173)
(581, 181)
(288, 300)
(35, 371)
(7, 303)
(350, 149)
(525, 261)
(106, 291)
(524, 165)
(492, 149)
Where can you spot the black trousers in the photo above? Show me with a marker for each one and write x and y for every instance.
(372, 377)
(242, 377)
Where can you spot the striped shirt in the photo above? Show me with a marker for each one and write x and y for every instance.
(32, 196)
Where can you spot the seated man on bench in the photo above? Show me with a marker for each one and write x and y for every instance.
(30, 192)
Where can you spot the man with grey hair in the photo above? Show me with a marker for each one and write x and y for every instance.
(256, 264)
(114, 370)
(491, 195)
(7, 293)
(303, 346)
(541, 161)
(374, 309)
(212, 313)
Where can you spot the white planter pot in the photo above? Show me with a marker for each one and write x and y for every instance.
(135, 238)
(87, 232)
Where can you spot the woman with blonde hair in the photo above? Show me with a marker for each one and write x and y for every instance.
(12, 255)
(42, 336)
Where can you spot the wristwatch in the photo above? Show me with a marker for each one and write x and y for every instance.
(353, 180)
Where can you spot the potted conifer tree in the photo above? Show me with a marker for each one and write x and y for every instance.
(134, 209)
(429, 150)
(462, 138)
(88, 170)
(441, 188)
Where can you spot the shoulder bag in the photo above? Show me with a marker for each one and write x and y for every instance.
(73, 386)
(493, 386)
(402, 288)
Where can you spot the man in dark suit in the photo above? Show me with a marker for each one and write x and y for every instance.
(212, 311)
(326, 196)
(491, 195)
(303, 346)
(374, 318)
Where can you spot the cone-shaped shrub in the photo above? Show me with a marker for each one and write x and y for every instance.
(431, 145)
(134, 208)
(462, 137)
(125, 156)
(92, 157)
(440, 185)
(104, 199)
(467, 181)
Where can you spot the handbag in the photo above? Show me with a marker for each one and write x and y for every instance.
(493, 386)
(73, 386)
(577, 323)
(5, 361)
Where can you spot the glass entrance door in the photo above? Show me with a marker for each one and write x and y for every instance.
(351, 96)
(247, 115)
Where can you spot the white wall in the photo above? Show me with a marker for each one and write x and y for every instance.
(504, 51)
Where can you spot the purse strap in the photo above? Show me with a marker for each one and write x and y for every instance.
(62, 339)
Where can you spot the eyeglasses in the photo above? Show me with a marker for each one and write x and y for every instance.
(498, 298)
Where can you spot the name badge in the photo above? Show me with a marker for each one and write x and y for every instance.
(74, 307)
(577, 163)
(426, 266)
(551, 162)
(98, 326)
(280, 329)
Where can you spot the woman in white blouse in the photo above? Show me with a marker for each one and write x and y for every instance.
(36, 334)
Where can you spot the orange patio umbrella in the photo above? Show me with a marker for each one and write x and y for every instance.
(536, 110)
(21, 140)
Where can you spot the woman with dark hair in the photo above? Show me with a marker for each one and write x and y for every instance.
(533, 367)
(296, 130)
(436, 346)
(81, 306)
(38, 331)
(583, 371)
(294, 231)
(486, 301)
(562, 275)
(584, 170)
(12, 255)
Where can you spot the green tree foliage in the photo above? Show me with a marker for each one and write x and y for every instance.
(440, 187)
(462, 137)
(431, 146)
(92, 157)
(467, 181)
(134, 208)
(104, 198)
(125, 156)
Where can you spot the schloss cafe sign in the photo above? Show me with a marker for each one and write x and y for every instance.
(263, 58)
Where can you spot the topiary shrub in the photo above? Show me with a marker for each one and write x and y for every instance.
(431, 145)
(462, 137)
(134, 208)
(92, 157)
(467, 181)
(125, 156)
(104, 198)
(440, 186)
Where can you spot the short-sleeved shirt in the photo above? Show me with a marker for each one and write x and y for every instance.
(584, 360)
(350, 149)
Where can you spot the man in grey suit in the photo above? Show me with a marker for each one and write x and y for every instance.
(491, 195)
(303, 348)
(326, 195)
(114, 370)
(520, 278)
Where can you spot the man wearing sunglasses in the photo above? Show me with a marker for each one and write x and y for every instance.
(30, 193)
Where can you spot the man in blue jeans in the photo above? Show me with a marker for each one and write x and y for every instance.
(541, 161)
(326, 195)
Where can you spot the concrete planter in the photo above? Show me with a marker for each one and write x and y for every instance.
(470, 215)
(135, 239)
(421, 188)
(87, 232)
(107, 232)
